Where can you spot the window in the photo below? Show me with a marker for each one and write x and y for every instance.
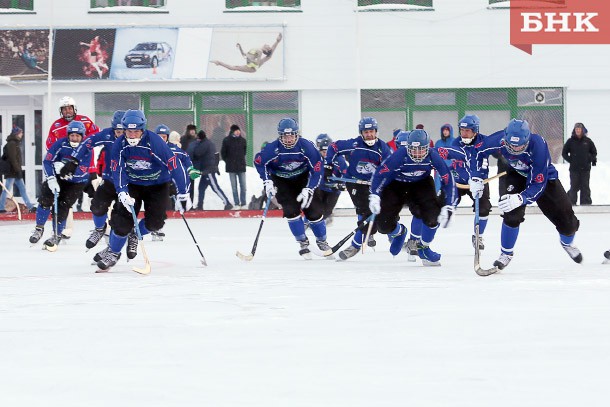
(420, 3)
(132, 3)
(18, 4)
(254, 3)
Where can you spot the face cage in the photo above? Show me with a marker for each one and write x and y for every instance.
(515, 150)
(68, 118)
(296, 138)
(418, 153)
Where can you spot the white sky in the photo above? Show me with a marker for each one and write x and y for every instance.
(281, 331)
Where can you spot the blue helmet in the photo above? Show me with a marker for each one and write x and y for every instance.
(402, 138)
(134, 120)
(323, 141)
(288, 127)
(162, 129)
(470, 121)
(516, 136)
(418, 144)
(368, 123)
(116, 120)
(75, 127)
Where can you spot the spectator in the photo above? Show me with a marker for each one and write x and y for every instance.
(581, 153)
(392, 143)
(12, 154)
(190, 135)
(446, 140)
(233, 153)
(204, 159)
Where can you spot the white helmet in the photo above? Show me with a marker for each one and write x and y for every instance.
(67, 101)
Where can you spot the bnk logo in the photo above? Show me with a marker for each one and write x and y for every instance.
(559, 22)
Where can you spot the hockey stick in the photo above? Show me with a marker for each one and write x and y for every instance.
(194, 240)
(12, 198)
(336, 247)
(350, 180)
(250, 256)
(477, 252)
(368, 232)
(67, 232)
(55, 223)
(147, 268)
(485, 181)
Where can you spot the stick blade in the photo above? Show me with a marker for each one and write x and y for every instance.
(486, 272)
(244, 257)
(146, 270)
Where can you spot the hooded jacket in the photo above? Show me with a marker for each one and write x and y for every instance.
(580, 152)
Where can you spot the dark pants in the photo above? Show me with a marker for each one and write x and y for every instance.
(329, 200)
(484, 202)
(360, 198)
(419, 196)
(553, 202)
(287, 191)
(68, 194)
(579, 181)
(154, 198)
(103, 197)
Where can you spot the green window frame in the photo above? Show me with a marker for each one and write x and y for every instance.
(422, 3)
(231, 4)
(118, 3)
(18, 4)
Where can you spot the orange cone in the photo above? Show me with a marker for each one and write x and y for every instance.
(154, 70)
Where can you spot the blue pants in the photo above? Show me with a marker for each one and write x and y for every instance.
(210, 181)
(241, 198)
(20, 186)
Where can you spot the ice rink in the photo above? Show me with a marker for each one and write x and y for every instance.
(282, 331)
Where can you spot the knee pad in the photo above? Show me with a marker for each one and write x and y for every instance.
(153, 224)
(513, 219)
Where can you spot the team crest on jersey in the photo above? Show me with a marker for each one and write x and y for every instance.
(384, 168)
(478, 145)
(56, 124)
(290, 166)
(258, 159)
(318, 166)
(443, 153)
(417, 173)
(539, 179)
(139, 165)
(519, 165)
(364, 167)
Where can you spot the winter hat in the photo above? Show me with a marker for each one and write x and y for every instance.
(419, 126)
(201, 135)
(174, 138)
(581, 126)
(16, 130)
(191, 127)
(234, 127)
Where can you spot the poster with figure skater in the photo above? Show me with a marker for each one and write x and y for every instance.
(83, 54)
(247, 53)
(24, 54)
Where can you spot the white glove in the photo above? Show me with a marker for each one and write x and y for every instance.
(509, 202)
(375, 204)
(445, 216)
(476, 187)
(183, 202)
(53, 185)
(305, 197)
(126, 200)
(270, 189)
(57, 166)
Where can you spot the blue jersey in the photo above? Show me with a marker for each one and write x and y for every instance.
(104, 138)
(339, 169)
(458, 157)
(184, 159)
(304, 157)
(400, 167)
(151, 162)
(363, 160)
(534, 163)
(62, 149)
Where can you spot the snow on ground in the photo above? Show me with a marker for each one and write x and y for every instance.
(281, 331)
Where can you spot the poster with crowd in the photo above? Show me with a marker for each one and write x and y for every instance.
(136, 53)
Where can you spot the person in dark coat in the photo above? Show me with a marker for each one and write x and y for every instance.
(581, 153)
(12, 154)
(233, 153)
(189, 137)
(203, 155)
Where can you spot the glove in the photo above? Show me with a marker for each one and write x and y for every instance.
(509, 202)
(183, 202)
(476, 187)
(58, 166)
(53, 185)
(305, 197)
(445, 216)
(194, 173)
(68, 166)
(375, 203)
(126, 200)
(270, 189)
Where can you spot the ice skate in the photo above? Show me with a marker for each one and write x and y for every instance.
(304, 252)
(607, 256)
(481, 243)
(428, 256)
(36, 234)
(109, 259)
(371, 242)
(51, 243)
(503, 261)
(325, 247)
(411, 248)
(351, 251)
(573, 251)
(132, 246)
(99, 255)
(95, 237)
(158, 236)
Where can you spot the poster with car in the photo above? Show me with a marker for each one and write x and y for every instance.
(83, 54)
(24, 54)
(144, 53)
(247, 53)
